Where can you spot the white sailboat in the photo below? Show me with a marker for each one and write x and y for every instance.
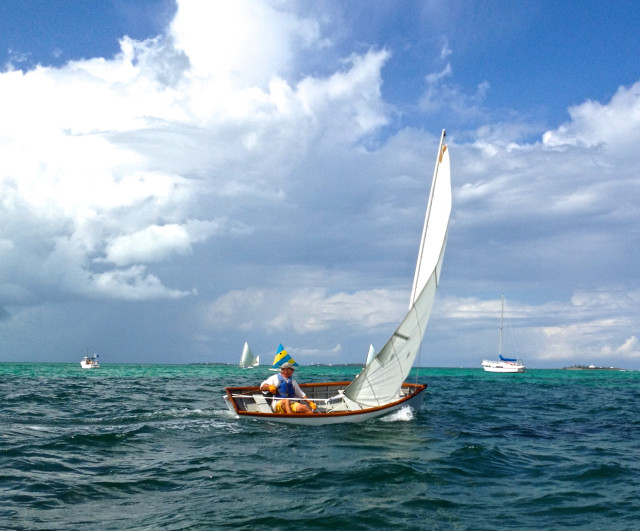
(248, 360)
(380, 387)
(503, 364)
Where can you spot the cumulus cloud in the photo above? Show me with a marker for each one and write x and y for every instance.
(130, 284)
(595, 342)
(156, 243)
(616, 123)
(305, 310)
(105, 161)
(630, 348)
(244, 44)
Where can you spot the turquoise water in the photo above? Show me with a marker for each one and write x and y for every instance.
(153, 447)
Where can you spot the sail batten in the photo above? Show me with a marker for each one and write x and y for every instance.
(380, 383)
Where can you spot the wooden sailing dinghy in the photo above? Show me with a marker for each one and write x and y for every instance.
(380, 387)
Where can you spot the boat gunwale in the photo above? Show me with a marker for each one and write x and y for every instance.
(417, 389)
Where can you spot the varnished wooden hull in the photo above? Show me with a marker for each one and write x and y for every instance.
(242, 402)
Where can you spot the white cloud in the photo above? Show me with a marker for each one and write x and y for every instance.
(445, 51)
(616, 123)
(630, 348)
(432, 98)
(443, 94)
(130, 284)
(312, 310)
(305, 310)
(113, 156)
(157, 243)
(244, 43)
(600, 342)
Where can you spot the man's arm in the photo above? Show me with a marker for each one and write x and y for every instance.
(267, 385)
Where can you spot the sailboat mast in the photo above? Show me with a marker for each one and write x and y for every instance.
(501, 318)
(414, 290)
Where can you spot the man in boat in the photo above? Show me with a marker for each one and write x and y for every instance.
(284, 386)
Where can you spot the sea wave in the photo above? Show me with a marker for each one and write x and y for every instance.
(155, 448)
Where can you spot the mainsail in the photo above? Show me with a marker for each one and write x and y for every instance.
(380, 381)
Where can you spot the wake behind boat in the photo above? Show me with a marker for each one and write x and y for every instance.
(380, 387)
(503, 364)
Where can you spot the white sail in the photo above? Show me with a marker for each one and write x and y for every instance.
(371, 354)
(436, 224)
(380, 381)
(248, 359)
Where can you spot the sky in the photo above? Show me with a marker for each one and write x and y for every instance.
(178, 178)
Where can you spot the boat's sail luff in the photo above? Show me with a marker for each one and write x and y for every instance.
(380, 381)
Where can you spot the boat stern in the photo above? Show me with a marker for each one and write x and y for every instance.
(230, 406)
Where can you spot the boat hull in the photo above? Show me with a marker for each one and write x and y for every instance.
(238, 399)
(502, 367)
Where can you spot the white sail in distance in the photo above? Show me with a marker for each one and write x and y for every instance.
(248, 359)
(380, 381)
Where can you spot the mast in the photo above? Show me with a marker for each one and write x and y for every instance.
(501, 318)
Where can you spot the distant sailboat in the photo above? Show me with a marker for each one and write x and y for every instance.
(282, 356)
(503, 364)
(381, 387)
(248, 360)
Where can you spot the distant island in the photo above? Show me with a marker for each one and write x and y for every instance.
(591, 368)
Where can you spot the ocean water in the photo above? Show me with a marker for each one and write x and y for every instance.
(153, 447)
